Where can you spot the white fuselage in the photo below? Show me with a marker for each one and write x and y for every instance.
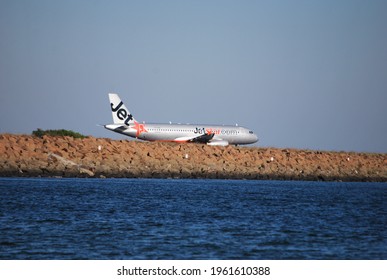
(225, 134)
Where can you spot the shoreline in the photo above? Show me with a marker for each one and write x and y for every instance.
(54, 156)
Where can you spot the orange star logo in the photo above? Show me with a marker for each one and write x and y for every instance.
(140, 128)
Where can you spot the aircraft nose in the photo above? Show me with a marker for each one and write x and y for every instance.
(255, 137)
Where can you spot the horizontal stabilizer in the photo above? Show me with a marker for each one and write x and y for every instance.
(116, 127)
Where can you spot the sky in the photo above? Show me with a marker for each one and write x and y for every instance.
(301, 74)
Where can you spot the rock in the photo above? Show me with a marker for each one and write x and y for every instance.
(23, 155)
(86, 171)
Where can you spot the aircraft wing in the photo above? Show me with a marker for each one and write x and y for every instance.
(205, 138)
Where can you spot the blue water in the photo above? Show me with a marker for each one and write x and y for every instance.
(191, 219)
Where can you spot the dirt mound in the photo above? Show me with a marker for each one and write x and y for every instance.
(24, 155)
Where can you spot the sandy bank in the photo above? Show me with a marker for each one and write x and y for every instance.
(24, 155)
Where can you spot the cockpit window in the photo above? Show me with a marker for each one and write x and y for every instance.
(251, 132)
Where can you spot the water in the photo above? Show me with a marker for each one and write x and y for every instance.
(191, 219)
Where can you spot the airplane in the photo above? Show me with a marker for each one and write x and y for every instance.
(214, 135)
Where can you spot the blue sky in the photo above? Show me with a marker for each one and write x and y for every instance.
(301, 74)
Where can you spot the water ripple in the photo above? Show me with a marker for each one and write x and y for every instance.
(191, 219)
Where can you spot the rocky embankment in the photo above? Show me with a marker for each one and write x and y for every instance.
(24, 155)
